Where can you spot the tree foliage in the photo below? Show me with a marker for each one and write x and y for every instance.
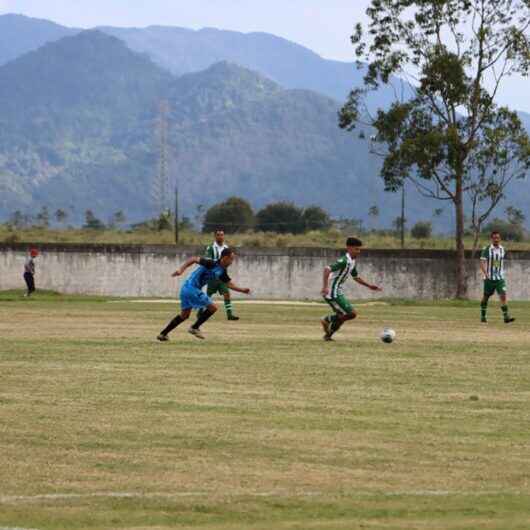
(315, 218)
(233, 215)
(445, 131)
(280, 217)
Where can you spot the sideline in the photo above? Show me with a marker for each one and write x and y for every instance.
(244, 302)
(16, 499)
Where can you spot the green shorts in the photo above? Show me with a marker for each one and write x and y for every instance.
(217, 286)
(492, 286)
(340, 304)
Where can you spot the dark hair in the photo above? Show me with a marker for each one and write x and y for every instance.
(227, 252)
(494, 232)
(354, 242)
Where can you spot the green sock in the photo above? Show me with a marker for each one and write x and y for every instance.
(505, 312)
(483, 310)
(228, 308)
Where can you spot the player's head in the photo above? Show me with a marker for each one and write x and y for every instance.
(495, 238)
(227, 257)
(219, 235)
(353, 246)
(33, 252)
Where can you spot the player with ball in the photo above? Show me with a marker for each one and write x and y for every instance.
(333, 280)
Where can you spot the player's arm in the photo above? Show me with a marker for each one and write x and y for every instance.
(484, 264)
(370, 286)
(188, 263)
(325, 281)
(231, 285)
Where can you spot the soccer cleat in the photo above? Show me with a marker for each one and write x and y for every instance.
(484, 320)
(162, 338)
(328, 338)
(197, 333)
(232, 317)
(509, 320)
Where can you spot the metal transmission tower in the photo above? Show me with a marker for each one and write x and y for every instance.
(160, 187)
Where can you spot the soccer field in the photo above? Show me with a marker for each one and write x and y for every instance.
(264, 425)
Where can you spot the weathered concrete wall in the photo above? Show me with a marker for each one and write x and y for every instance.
(144, 271)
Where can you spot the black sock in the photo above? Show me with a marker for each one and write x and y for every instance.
(202, 317)
(172, 325)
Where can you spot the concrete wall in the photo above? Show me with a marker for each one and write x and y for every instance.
(144, 271)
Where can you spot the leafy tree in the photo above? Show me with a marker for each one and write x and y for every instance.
(508, 230)
(421, 230)
(92, 222)
(17, 219)
(233, 215)
(43, 217)
(118, 218)
(449, 137)
(61, 215)
(315, 218)
(515, 216)
(280, 217)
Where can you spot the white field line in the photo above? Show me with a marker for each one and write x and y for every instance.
(244, 302)
(19, 499)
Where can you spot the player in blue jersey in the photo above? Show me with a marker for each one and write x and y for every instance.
(192, 295)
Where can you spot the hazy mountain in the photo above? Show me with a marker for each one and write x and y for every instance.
(290, 65)
(185, 51)
(77, 128)
(20, 34)
(72, 122)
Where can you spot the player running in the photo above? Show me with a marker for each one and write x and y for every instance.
(29, 272)
(492, 267)
(193, 297)
(333, 295)
(213, 252)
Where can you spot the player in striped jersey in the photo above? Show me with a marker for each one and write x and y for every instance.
(333, 280)
(214, 252)
(492, 266)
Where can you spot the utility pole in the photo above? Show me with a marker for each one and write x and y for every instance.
(176, 215)
(160, 186)
(403, 220)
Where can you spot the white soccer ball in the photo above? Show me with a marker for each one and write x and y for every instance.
(388, 335)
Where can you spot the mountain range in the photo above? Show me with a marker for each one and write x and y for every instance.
(248, 114)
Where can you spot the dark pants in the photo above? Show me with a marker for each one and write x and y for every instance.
(30, 282)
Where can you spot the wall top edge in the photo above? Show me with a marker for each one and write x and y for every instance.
(302, 252)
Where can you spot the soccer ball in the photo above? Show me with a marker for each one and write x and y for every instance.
(388, 335)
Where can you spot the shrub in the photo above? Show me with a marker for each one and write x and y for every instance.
(233, 215)
(315, 218)
(280, 217)
(421, 230)
(509, 231)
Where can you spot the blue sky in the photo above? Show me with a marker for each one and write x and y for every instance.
(322, 25)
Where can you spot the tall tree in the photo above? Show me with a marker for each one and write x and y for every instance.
(448, 135)
(61, 215)
(233, 215)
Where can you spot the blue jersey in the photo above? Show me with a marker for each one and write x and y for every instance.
(207, 271)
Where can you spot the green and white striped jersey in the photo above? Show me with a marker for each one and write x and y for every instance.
(214, 250)
(340, 270)
(494, 257)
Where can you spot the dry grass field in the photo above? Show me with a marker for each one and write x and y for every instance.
(263, 425)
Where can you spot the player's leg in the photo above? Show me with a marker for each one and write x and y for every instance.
(346, 313)
(181, 317)
(30, 284)
(501, 289)
(489, 289)
(206, 313)
(225, 292)
(342, 312)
